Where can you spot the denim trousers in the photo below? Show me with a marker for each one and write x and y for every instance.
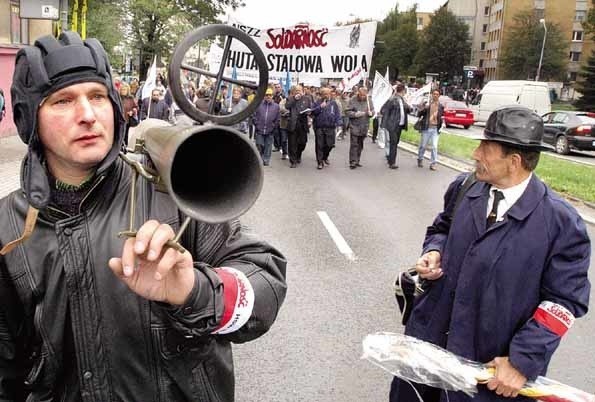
(264, 143)
(283, 140)
(429, 136)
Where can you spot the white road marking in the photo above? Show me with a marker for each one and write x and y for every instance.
(336, 236)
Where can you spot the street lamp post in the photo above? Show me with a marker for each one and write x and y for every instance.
(542, 21)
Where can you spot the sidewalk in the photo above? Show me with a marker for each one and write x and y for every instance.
(12, 151)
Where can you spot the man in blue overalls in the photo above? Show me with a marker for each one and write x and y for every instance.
(507, 275)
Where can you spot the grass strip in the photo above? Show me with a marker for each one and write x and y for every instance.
(565, 177)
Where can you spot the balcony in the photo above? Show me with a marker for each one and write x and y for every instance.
(491, 63)
(495, 26)
(497, 7)
(581, 6)
(492, 45)
(576, 46)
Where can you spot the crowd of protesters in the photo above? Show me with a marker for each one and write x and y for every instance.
(283, 122)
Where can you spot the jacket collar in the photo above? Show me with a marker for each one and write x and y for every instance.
(102, 187)
(478, 197)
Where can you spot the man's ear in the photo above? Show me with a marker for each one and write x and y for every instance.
(516, 161)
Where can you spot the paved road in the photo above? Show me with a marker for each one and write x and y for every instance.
(313, 351)
(312, 354)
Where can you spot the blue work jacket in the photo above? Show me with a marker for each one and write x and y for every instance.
(494, 281)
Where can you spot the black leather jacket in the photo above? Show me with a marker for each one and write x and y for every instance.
(391, 114)
(70, 330)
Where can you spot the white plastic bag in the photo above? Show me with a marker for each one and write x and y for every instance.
(422, 362)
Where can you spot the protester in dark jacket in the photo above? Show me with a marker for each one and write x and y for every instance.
(130, 115)
(151, 323)
(394, 120)
(2, 105)
(266, 121)
(156, 109)
(359, 110)
(298, 106)
(327, 117)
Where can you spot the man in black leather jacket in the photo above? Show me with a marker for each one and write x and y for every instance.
(150, 323)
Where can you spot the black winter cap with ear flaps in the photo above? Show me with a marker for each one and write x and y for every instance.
(41, 70)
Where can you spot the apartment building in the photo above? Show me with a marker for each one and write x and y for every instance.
(476, 14)
(490, 22)
(423, 19)
(15, 32)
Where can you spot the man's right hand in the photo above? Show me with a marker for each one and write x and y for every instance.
(151, 269)
(428, 266)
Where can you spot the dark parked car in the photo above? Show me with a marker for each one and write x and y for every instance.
(567, 130)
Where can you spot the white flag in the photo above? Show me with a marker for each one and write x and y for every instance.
(381, 91)
(351, 80)
(150, 83)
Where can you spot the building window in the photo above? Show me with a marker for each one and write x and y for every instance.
(486, 10)
(572, 76)
(575, 56)
(580, 15)
(480, 63)
(581, 5)
(420, 21)
(15, 22)
(577, 36)
(485, 28)
(483, 46)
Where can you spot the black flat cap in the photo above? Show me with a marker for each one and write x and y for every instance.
(517, 126)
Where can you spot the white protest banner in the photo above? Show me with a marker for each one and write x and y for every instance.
(381, 91)
(307, 52)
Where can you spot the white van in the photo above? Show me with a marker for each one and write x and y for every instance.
(531, 94)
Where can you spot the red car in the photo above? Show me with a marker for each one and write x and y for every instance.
(457, 113)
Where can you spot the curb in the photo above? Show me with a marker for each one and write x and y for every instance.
(464, 167)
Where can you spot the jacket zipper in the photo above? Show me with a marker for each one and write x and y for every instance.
(64, 214)
(90, 191)
(266, 116)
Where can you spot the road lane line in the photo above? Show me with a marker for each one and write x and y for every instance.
(336, 236)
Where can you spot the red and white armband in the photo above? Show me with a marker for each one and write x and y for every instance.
(238, 299)
(554, 317)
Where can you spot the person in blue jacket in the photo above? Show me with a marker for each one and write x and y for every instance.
(327, 117)
(266, 121)
(506, 276)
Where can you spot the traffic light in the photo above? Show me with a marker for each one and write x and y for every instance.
(443, 78)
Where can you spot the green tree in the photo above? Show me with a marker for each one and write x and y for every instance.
(586, 78)
(105, 21)
(396, 42)
(158, 25)
(444, 45)
(589, 23)
(586, 86)
(522, 49)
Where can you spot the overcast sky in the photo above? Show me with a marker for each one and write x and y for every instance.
(280, 13)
